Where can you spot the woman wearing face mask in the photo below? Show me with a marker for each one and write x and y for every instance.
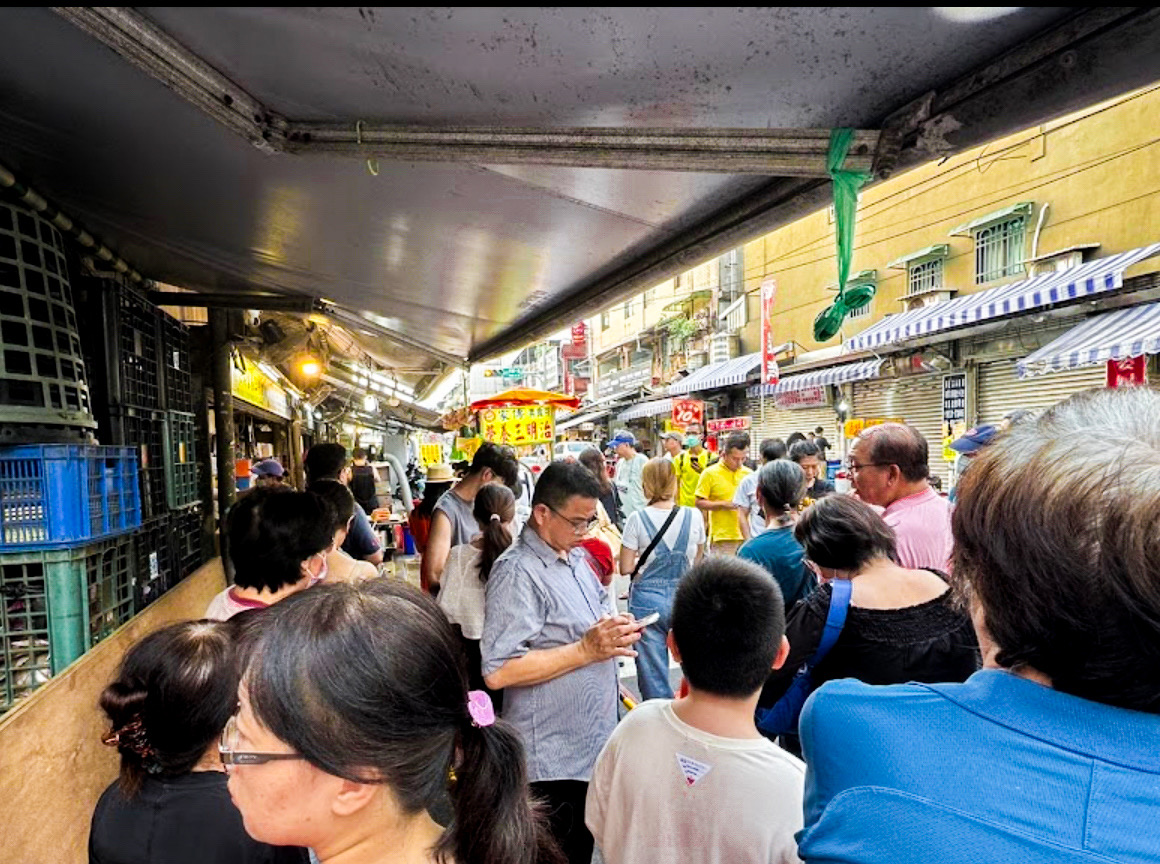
(355, 720)
(278, 543)
(341, 567)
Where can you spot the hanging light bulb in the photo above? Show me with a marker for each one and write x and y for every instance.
(370, 403)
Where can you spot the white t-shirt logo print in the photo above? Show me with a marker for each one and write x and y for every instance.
(691, 769)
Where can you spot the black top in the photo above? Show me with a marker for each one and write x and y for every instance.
(178, 820)
(820, 489)
(931, 643)
(362, 487)
(611, 502)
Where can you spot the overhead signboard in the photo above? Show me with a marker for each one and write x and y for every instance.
(625, 379)
(807, 397)
(728, 424)
(688, 412)
(518, 425)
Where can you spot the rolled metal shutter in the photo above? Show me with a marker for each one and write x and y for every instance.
(782, 423)
(916, 400)
(1001, 391)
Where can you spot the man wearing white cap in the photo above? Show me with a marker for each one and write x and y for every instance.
(629, 467)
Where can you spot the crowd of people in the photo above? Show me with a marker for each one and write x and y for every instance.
(983, 674)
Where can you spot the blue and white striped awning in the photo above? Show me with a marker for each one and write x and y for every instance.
(843, 374)
(1026, 295)
(1117, 335)
(646, 409)
(727, 373)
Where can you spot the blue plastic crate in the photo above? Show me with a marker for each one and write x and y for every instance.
(57, 495)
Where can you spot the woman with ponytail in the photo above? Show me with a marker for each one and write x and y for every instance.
(355, 720)
(465, 575)
(172, 696)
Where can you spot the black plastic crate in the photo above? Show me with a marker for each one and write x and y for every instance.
(175, 359)
(154, 552)
(144, 430)
(138, 339)
(186, 532)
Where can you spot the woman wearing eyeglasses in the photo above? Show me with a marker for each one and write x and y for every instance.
(172, 696)
(356, 720)
(901, 624)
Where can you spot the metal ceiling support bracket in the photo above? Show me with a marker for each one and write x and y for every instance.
(53, 214)
(352, 320)
(137, 39)
(261, 302)
(776, 152)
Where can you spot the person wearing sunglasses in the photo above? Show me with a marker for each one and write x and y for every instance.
(167, 706)
(355, 724)
(550, 639)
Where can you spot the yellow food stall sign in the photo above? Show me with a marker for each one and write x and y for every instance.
(465, 448)
(431, 454)
(518, 425)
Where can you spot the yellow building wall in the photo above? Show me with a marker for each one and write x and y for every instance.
(1098, 172)
(645, 315)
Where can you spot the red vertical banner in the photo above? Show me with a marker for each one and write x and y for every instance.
(1128, 373)
(769, 372)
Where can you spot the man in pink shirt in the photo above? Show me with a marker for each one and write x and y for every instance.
(889, 467)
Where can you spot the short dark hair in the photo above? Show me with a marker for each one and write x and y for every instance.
(339, 498)
(839, 532)
(325, 461)
(899, 444)
(272, 531)
(804, 450)
(1056, 539)
(728, 619)
(561, 480)
(793, 438)
(378, 693)
(781, 484)
(502, 462)
(172, 696)
(736, 441)
(821, 430)
(358, 453)
(772, 448)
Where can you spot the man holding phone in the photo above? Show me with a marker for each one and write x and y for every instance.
(550, 639)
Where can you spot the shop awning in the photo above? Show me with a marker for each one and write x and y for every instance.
(843, 374)
(1117, 335)
(1027, 295)
(582, 418)
(655, 408)
(1022, 209)
(716, 375)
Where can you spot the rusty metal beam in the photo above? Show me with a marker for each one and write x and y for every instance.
(777, 152)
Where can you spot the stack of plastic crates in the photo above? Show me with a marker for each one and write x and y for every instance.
(66, 556)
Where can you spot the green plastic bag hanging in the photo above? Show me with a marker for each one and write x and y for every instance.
(846, 186)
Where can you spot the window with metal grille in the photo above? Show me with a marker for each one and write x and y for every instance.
(864, 312)
(605, 320)
(629, 309)
(926, 276)
(649, 296)
(999, 250)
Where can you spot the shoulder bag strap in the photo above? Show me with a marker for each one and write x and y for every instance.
(835, 619)
(652, 543)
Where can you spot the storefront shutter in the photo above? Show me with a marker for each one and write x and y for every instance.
(782, 423)
(916, 400)
(1000, 391)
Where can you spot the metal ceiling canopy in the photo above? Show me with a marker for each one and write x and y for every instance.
(470, 258)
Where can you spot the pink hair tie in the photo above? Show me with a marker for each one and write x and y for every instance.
(480, 708)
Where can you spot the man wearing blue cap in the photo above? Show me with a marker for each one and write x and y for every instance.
(629, 467)
(968, 445)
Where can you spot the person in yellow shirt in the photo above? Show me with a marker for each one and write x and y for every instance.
(715, 491)
(689, 464)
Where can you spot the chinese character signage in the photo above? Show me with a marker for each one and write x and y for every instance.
(688, 412)
(727, 424)
(579, 333)
(518, 425)
(769, 371)
(1127, 373)
(807, 397)
(954, 408)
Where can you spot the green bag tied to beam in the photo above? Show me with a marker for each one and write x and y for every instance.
(846, 186)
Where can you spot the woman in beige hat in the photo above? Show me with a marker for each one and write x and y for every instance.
(440, 478)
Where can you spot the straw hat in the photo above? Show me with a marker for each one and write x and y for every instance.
(440, 473)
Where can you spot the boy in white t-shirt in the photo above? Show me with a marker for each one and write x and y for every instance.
(692, 780)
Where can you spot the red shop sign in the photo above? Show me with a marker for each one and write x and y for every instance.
(1127, 373)
(688, 412)
(727, 424)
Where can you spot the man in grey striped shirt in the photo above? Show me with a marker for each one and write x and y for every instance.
(549, 640)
